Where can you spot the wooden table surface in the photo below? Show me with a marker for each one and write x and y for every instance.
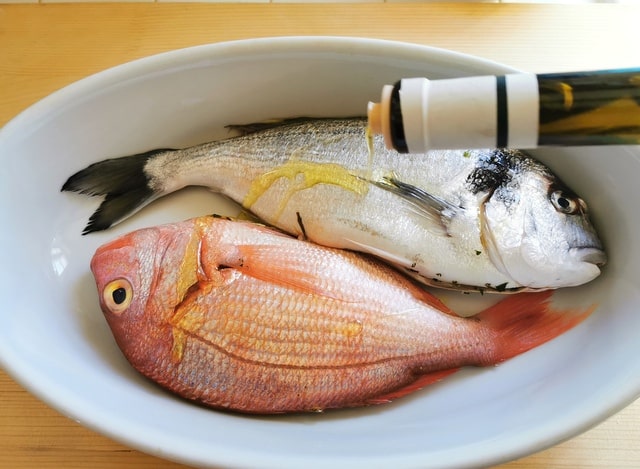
(47, 46)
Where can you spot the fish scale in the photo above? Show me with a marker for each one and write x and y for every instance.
(321, 321)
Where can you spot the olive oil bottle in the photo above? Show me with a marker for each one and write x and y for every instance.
(515, 110)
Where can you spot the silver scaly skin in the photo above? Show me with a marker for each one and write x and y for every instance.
(486, 220)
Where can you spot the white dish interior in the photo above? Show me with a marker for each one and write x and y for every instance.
(55, 342)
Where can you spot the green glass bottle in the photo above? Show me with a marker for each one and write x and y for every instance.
(598, 108)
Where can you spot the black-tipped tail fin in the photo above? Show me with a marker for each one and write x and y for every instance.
(115, 208)
(122, 181)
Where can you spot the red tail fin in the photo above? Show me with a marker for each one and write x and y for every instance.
(526, 320)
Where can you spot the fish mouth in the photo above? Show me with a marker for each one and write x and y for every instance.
(590, 254)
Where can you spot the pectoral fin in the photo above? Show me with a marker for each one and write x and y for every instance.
(269, 263)
(433, 210)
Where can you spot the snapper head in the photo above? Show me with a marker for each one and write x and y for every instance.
(538, 231)
(141, 278)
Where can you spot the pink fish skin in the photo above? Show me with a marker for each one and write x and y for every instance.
(238, 316)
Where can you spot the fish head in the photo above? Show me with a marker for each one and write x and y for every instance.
(538, 231)
(141, 278)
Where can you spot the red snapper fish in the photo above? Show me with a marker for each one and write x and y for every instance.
(238, 316)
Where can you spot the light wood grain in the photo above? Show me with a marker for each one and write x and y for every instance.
(45, 47)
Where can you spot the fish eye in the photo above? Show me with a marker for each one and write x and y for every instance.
(117, 295)
(565, 203)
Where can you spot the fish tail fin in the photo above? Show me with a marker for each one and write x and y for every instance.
(123, 183)
(527, 320)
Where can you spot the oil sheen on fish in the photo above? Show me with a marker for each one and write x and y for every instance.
(492, 220)
(238, 316)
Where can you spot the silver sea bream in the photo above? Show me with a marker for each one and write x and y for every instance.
(487, 220)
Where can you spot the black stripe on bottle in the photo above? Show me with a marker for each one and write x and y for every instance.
(396, 122)
(502, 137)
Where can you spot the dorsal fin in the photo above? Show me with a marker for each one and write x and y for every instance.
(247, 129)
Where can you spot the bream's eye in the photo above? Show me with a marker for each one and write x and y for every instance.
(117, 295)
(565, 203)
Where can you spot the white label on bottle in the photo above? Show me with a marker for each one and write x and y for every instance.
(470, 112)
(413, 103)
(462, 113)
(523, 110)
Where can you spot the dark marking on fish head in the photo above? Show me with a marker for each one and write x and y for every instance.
(500, 173)
(493, 169)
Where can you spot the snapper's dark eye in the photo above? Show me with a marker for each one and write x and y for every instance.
(565, 203)
(117, 295)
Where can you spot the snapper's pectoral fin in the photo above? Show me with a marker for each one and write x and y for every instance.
(267, 263)
(122, 181)
(434, 210)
